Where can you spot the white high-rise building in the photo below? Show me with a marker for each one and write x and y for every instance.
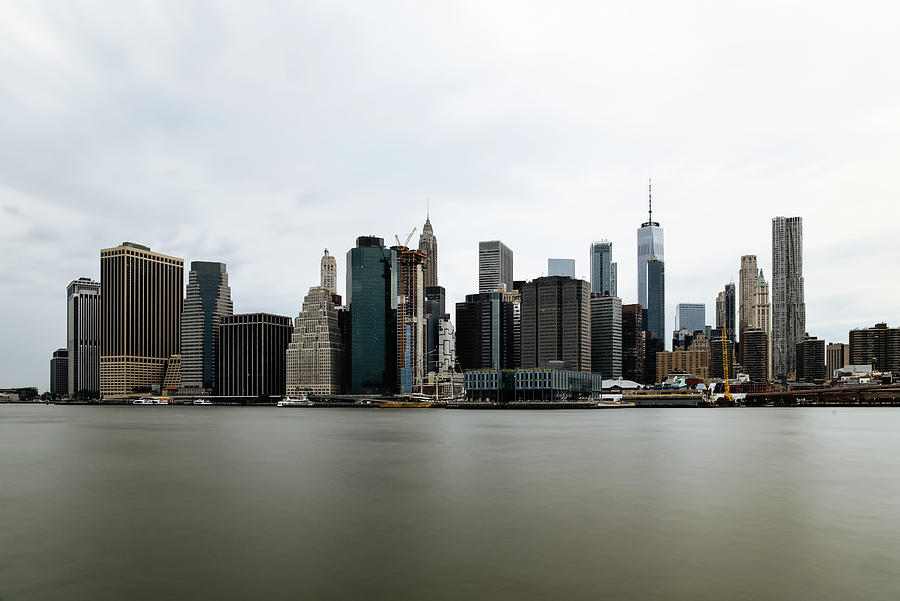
(328, 272)
(83, 336)
(495, 266)
(446, 345)
(788, 305)
(313, 357)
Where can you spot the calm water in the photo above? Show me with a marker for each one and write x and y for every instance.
(134, 503)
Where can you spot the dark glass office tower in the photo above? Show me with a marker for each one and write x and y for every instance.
(208, 301)
(632, 342)
(656, 299)
(251, 360)
(485, 332)
(435, 308)
(372, 298)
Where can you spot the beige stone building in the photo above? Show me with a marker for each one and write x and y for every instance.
(328, 272)
(695, 363)
(142, 294)
(314, 355)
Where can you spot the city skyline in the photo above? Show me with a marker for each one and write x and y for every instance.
(170, 161)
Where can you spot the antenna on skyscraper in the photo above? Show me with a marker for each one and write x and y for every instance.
(650, 198)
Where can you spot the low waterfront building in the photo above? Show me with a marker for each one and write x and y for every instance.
(682, 362)
(505, 386)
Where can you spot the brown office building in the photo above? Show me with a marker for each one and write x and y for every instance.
(251, 358)
(878, 347)
(556, 323)
(695, 363)
(142, 294)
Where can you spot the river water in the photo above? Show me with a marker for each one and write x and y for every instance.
(152, 503)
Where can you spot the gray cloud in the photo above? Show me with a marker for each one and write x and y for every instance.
(261, 135)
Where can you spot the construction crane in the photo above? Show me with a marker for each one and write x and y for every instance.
(404, 245)
(728, 398)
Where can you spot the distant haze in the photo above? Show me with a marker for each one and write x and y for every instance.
(260, 135)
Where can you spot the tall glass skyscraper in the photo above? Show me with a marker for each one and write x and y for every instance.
(83, 317)
(372, 298)
(690, 316)
(649, 244)
(208, 301)
(656, 297)
(603, 270)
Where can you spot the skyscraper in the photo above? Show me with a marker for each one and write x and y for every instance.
(562, 267)
(556, 323)
(606, 335)
(633, 342)
(251, 361)
(725, 310)
(484, 332)
(810, 359)
(411, 340)
(372, 298)
(649, 244)
(59, 371)
(140, 317)
(762, 317)
(328, 272)
(83, 337)
(428, 244)
(314, 357)
(755, 345)
(435, 310)
(446, 346)
(690, 316)
(208, 300)
(603, 272)
(614, 279)
(788, 306)
(656, 299)
(747, 279)
(495, 266)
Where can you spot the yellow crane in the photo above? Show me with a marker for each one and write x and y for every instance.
(728, 398)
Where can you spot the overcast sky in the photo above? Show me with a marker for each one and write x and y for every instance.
(259, 134)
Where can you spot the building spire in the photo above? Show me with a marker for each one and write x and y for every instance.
(650, 199)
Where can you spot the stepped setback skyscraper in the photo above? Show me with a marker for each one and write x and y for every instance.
(83, 337)
(208, 300)
(788, 306)
(140, 317)
(314, 357)
(495, 266)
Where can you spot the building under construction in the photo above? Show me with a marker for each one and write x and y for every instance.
(410, 317)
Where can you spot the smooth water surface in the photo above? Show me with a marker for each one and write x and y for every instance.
(152, 503)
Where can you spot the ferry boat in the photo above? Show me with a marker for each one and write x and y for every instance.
(202, 402)
(300, 401)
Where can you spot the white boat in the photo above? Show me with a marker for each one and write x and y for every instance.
(300, 401)
(146, 401)
(202, 402)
